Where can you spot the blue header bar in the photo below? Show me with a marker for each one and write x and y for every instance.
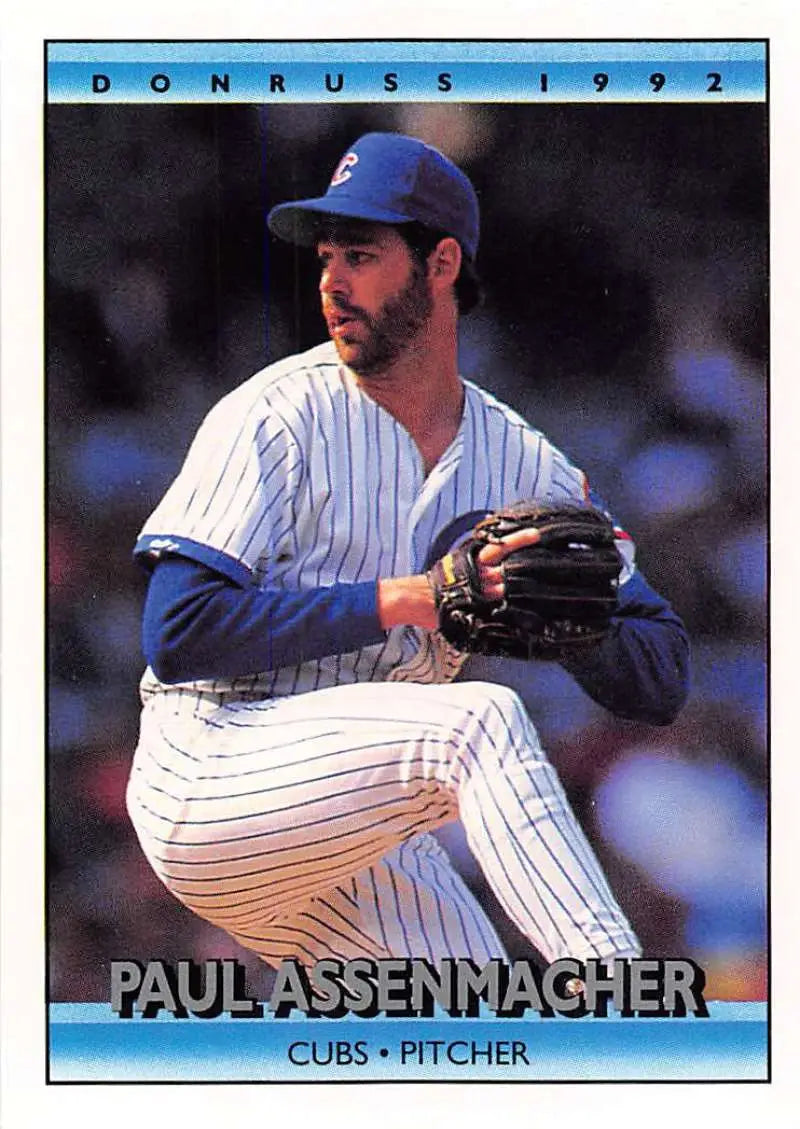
(420, 71)
(202, 51)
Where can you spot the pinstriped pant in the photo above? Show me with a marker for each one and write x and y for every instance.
(301, 825)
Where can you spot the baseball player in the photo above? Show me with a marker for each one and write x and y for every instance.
(302, 731)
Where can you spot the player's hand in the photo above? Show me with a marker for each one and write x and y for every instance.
(490, 561)
(406, 600)
(409, 599)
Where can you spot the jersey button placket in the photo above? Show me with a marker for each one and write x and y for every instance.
(399, 480)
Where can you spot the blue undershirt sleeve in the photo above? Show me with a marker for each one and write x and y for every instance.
(641, 671)
(198, 624)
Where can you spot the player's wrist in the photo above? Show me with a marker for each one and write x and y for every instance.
(406, 600)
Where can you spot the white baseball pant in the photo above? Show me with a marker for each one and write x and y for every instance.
(300, 825)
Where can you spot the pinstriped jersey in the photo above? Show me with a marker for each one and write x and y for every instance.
(298, 480)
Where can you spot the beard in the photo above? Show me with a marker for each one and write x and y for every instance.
(387, 334)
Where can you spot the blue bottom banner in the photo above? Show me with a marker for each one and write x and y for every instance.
(89, 1043)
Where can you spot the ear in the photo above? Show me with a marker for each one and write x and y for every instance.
(444, 263)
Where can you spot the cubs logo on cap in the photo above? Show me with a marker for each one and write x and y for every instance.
(342, 172)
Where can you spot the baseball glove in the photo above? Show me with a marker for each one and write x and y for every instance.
(560, 592)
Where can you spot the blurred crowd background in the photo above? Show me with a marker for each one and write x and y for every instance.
(624, 255)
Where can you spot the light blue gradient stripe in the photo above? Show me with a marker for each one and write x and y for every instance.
(88, 1044)
(404, 51)
(741, 80)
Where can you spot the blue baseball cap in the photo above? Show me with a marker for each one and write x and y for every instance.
(388, 178)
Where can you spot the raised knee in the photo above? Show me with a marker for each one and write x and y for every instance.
(500, 710)
(493, 696)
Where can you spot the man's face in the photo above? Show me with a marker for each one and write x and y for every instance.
(375, 297)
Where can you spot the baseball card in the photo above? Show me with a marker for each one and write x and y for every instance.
(407, 529)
